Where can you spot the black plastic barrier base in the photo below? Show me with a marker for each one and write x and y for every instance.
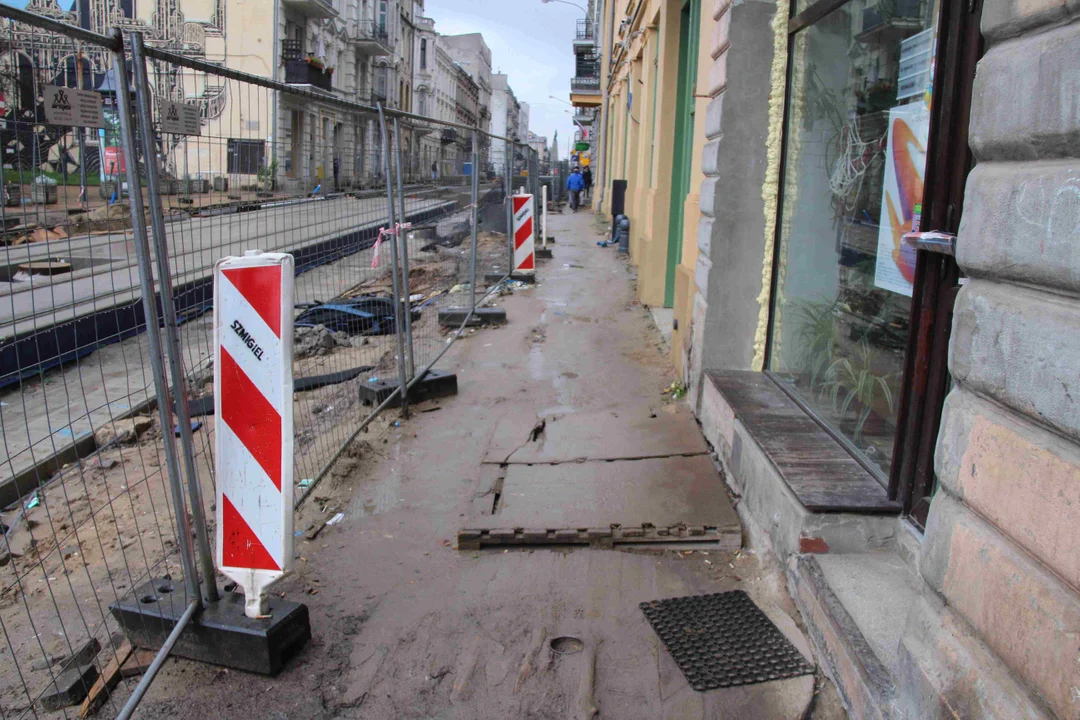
(220, 634)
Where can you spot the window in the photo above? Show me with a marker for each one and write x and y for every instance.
(421, 103)
(382, 16)
(423, 54)
(246, 157)
(852, 185)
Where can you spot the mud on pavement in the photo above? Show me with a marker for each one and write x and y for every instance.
(406, 625)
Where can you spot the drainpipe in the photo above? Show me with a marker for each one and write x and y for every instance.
(274, 60)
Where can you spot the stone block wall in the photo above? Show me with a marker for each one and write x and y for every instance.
(1001, 551)
(731, 232)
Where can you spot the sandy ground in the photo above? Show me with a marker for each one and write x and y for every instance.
(105, 524)
(406, 626)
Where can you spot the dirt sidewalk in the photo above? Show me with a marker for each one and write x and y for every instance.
(407, 626)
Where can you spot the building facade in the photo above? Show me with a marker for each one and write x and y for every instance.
(857, 213)
(505, 118)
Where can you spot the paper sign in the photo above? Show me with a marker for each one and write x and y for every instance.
(905, 160)
(68, 106)
(179, 118)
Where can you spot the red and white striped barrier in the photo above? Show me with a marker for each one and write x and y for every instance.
(253, 382)
(524, 245)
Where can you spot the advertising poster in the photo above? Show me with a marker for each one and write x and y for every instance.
(905, 163)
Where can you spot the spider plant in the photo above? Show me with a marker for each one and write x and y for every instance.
(855, 379)
(816, 336)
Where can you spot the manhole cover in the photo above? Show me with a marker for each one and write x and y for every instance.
(723, 640)
(567, 645)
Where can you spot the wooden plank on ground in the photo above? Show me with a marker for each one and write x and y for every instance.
(106, 683)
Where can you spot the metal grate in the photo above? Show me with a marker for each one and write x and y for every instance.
(723, 640)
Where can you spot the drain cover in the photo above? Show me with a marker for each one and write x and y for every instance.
(723, 640)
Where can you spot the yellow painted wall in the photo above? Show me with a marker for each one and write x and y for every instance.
(652, 33)
(685, 287)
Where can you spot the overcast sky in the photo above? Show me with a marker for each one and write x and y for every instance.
(530, 41)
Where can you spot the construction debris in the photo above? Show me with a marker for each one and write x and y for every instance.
(125, 432)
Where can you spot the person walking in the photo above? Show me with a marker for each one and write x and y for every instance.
(337, 173)
(586, 175)
(575, 184)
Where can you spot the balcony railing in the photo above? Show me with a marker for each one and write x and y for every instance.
(301, 72)
(292, 50)
(585, 117)
(317, 9)
(585, 30)
(373, 97)
(585, 84)
(448, 136)
(371, 37)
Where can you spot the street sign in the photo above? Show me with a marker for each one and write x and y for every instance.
(179, 118)
(253, 398)
(69, 106)
(582, 146)
(524, 246)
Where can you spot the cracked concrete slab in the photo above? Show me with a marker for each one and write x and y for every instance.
(660, 493)
(617, 433)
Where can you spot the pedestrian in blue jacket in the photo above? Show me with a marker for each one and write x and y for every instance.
(575, 184)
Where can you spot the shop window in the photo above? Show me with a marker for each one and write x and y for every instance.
(855, 140)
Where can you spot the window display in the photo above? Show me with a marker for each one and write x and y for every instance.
(852, 184)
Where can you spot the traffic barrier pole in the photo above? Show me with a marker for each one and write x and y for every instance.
(253, 404)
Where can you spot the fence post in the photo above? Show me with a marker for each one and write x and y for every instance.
(168, 307)
(475, 198)
(403, 239)
(509, 207)
(392, 232)
(146, 282)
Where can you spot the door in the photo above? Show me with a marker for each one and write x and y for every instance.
(296, 155)
(683, 149)
(937, 277)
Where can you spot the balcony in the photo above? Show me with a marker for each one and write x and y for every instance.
(585, 91)
(585, 116)
(372, 97)
(371, 38)
(448, 136)
(317, 9)
(300, 70)
(585, 38)
(585, 85)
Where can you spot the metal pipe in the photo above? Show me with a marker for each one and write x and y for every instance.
(509, 207)
(475, 193)
(149, 303)
(219, 71)
(402, 380)
(168, 308)
(109, 42)
(162, 655)
(407, 310)
(84, 201)
(543, 215)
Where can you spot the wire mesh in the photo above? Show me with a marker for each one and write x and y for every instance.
(90, 511)
(87, 510)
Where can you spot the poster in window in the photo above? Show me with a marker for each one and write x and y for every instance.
(905, 162)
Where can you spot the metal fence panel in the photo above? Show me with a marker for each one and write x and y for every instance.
(390, 220)
(88, 509)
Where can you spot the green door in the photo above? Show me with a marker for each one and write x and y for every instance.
(683, 148)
